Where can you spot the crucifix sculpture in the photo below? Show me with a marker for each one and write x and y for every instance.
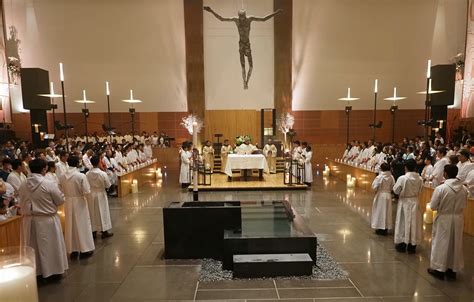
(243, 26)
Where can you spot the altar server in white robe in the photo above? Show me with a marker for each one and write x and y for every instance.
(408, 222)
(41, 226)
(308, 167)
(208, 155)
(382, 206)
(449, 199)
(86, 160)
(185, 169)
(226, 149)
(97, 201)
(17, 177)
(148, 149)
(270, 153)
(464, 165)
(62, 166)
(437, 177)
(78, 230)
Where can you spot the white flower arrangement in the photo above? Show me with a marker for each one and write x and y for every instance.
(188, 121)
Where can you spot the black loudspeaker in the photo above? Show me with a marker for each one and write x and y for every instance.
(35, 81)
(443, 78)
(39, 124)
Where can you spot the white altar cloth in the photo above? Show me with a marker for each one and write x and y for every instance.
(242, 162)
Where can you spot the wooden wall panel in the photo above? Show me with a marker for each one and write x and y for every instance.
(232, 123)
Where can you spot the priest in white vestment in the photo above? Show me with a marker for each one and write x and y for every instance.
(208, 155)
(270, 153)
(408, 222)
(449, 199)
(78, 230)
(98, 202)
(306, 157)
(185, 169)
(226, 149)
(62, 166)
(246, 148)
(41, 226)
(381, 220)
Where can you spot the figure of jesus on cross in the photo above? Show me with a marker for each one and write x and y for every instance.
(243, 26)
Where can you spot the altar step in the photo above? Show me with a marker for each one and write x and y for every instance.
(272, 265)
(280, 164)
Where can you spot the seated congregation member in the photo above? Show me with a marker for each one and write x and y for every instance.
(449, 199)
(270, 153)
(6, 168)
(78, 230)
(464, 165)
(50, 155)
(382, 206)
(51, 172)
(98, 203)
(148, 150)
(428, 168)
(186, 160)
(41, 226)
(408, 222)
(437, 177)
(308, 168)
(208, 155)
(106, 158)
(141, 153)
(86, 160)
(25, 159)
(226, 149)
(17, 177)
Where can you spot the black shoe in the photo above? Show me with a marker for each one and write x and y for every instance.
(450, 275)
(411, 249)
(401, 247)
(436, 274)
(384, 232)
(53, 278)
(86, 255)
(94, 235)
(74, 255)
(106, 234)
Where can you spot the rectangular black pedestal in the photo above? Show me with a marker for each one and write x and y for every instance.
(194, 230)
(272, 265)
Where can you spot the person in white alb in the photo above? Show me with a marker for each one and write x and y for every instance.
(62, 166)
(86, 159)
(437, 177)
(17, 177)
(97, 201)
(246, 148)
(270, 153)
(208, 155)
(427, 169)
(186, 160)
(226, 149)
(306, 157)
(78, 229)
(381, 220)
(148, 150)
(408, 222)
(449, 200)
(41, 226)
(464, 165)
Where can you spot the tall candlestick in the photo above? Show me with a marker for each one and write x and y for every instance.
(428, 70)
(61, 72)
(51, 88)
(376, 88)
(107, 91)
(84, 95)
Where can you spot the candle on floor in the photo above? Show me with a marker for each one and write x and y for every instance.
(158, 173)
(18, 274)
(135, 186)
(428, 215)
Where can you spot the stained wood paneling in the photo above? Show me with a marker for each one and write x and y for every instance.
(232, 123)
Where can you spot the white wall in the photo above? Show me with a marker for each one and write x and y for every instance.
(222, 71)
(136, 44)
(349, 43)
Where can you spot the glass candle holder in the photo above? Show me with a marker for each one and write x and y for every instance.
(18, 274)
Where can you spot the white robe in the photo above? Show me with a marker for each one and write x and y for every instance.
(464, 169)
(86, 161)
(98, 202)
(148, 151)
(41, 226)
(382, 206)
(16, 179)
(225, 150)
(427, 171)
(184, 174)
(449, 200)
(208, 155)
(53, 177)
(438, 171)
(408, 222)
(308, 167)
(270, 152)
(245, 149)
(61, 168)
(78, 230)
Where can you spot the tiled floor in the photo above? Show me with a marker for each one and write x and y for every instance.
(129, 267)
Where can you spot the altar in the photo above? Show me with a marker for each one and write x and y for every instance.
(246, 162)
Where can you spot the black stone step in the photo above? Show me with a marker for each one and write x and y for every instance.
(272, 265)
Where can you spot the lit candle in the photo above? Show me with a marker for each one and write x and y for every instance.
(349, 93)
(84, 95)
(394, 92)
(376, 88)
(135, 186)
(51, 88)
(429, 86)
(107, 91)
(61, 72)
(428, 70)
(428, 215)
(131, 94)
